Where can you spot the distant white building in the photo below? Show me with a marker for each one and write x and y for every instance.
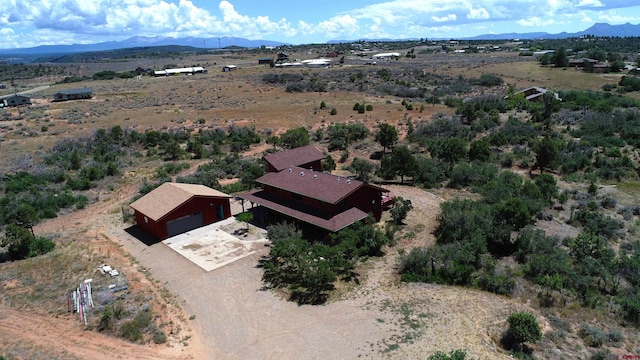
(386, 56)
(317, 63)
(290, 64)
(189, 70)
(537, 54)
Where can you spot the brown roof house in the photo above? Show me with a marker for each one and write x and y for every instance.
(175, 208)
(307, 157)
(312, 198)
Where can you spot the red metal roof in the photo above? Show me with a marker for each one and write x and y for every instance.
(316, 185)
(294, 157)
(307, 214)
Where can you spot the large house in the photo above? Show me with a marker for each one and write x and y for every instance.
(73, 94)
(15, 100)
(299, 192)
(175, 208)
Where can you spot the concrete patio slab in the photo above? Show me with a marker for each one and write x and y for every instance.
(210, 247)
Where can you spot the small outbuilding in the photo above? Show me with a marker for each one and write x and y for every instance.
(535, 93)
(175, 208)
(73, 94)
(229, 68)
(15, 100)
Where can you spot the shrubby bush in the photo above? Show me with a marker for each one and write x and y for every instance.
(466, 174)
(489, 80)
(308, 270)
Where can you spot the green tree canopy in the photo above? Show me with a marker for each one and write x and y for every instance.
(294, 138)
(387, 136)
(523, 327)
(362, 168)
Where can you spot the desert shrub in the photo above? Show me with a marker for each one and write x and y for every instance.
(514, 132)
(592, 336)
(282, 78)
(497, 284)
(545, 262)
(615, 336)
(21, 243)
(308, 271)
(608, 202)
(295, 87)
(281, 231)
(575, 156)
(450, 150)
(442, 126)
(106, 320)
(471, 174)
(341, 135)
(597, 100)
(630, 83)
(457, 354)
(430, 173)
(452, 263)
(479, 151)
(597, 223)
(133, 329)
(295, 137)
(104, 75)
(523, 327)
(630, 307)
(400, 210)
(506, 160)
(489, 80)
(159, 337)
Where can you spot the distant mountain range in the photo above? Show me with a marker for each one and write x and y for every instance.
(141, 41)
(599, 29)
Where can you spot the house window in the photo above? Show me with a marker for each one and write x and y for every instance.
(321, 203)
(146, 220)
(296, 196)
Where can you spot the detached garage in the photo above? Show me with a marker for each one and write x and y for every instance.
(175, 208)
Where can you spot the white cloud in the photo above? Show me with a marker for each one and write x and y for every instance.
(535, 21)
(612, 17)
(590, 3)
(449, 17)
(77, 21)
(479, 13)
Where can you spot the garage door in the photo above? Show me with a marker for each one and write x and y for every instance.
(184, 224)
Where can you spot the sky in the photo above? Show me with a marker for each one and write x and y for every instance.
(29, 23)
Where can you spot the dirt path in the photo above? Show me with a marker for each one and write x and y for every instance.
(26, 336)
